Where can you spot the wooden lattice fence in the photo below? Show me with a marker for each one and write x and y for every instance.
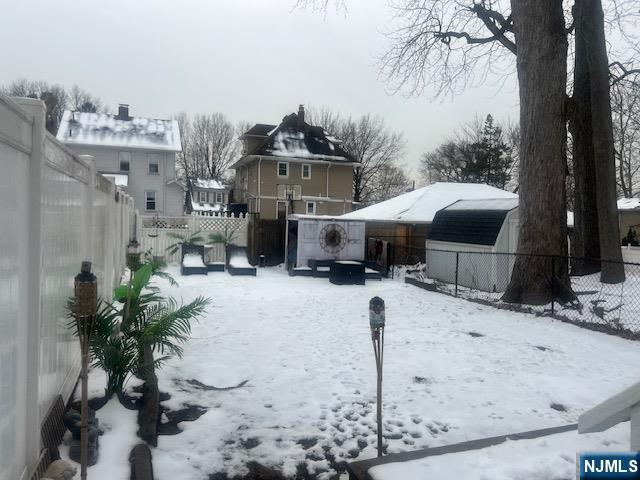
(156, 233)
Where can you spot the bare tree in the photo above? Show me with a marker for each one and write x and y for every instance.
(81, 100)
(372, 143)
(209, 145)
(54, 96)
(592, 62)
(447, 45)
(479, 153)
(390, 182)
(542, 75)
(625, 103)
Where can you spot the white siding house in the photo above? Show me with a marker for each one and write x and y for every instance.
(138, 153)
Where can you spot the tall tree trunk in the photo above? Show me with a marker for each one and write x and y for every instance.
(590, 26)
(542, 75)
(586, 242)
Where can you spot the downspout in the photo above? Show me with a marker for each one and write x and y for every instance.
(259, 189)
(328, 202)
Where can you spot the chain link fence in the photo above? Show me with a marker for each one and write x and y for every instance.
(484, 277)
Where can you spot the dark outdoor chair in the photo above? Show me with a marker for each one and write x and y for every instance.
(191, 249)
(237, 261)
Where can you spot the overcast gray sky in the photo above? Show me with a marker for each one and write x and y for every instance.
(253, 60)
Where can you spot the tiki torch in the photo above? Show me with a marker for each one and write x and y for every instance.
(376, 322)
(86, 300)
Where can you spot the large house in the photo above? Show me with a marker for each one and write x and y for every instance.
(293, 168)
(138, 153)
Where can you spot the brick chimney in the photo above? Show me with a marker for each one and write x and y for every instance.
(300, 115)
(123, 111)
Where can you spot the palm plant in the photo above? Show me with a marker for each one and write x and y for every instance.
(226, 237)
(140, 320)
(194, 238)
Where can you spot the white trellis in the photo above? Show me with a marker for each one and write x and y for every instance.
(155, 233)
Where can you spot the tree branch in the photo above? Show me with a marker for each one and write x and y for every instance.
(625, 72)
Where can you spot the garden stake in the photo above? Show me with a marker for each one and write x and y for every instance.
(376, 322)
(86, 301)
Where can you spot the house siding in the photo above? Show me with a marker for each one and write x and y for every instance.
(169, 197)
(313, 189)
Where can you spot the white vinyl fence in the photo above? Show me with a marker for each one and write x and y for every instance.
(55, 212)
(155, 234)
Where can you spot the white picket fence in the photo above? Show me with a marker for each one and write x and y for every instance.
(156, 234)
(55, 212)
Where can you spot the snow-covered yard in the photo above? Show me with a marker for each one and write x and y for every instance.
(454, 371)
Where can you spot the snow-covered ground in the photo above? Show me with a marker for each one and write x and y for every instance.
(615, 306)
(549, 458)
(454, 371)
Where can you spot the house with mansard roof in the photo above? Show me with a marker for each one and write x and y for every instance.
(293, 168)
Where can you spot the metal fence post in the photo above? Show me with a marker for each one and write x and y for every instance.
(553, 290)
(457, 263)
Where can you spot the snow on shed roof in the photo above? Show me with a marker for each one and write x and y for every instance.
(629, 204)
(498, 204)
(107, 130)
(421, 205)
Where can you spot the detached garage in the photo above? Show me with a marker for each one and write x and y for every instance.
(478, 229)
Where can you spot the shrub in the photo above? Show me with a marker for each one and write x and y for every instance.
(139, 318)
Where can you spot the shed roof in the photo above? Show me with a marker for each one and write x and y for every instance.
(477, 222)
(421, 205)
(108, 130)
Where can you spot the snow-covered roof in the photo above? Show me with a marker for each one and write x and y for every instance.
(108, 130)
(501, 204)
(121, 180)
(294, 139)
(211, 183)
(629, 204)
(421, 205)
(298, 216)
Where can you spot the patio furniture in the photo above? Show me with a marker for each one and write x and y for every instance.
(209, 253)
(193, 260)
(347, 272)
(238, 262)
(320, 268)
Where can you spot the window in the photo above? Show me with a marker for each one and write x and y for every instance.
(219, 197)
(306, 171)
(150, 200)
(202, 197)
(154, 164)
(311, 208)
(124, 159)
(283, 169)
